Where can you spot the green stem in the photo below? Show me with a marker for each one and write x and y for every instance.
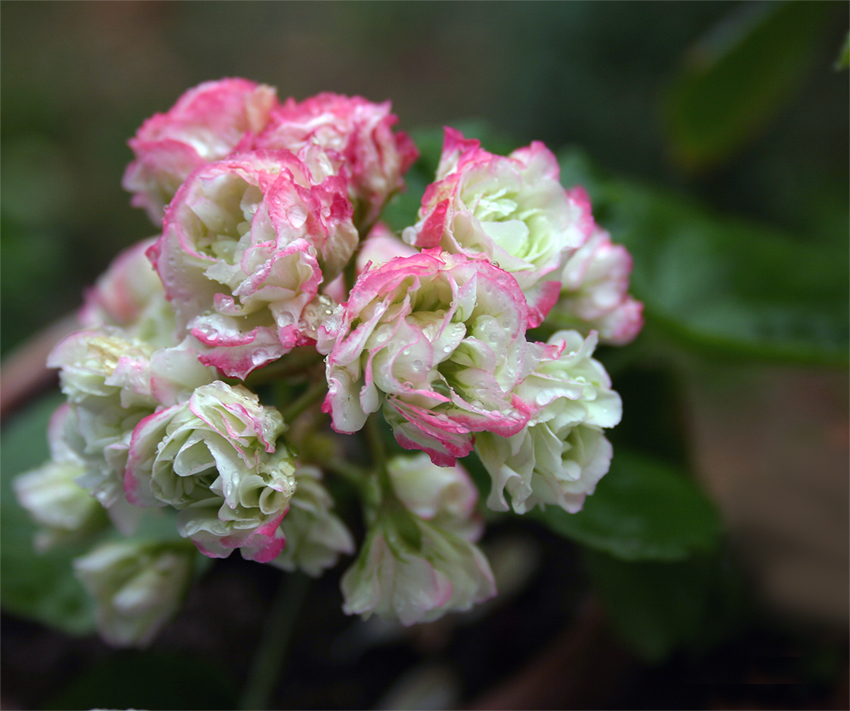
(376, 444)
(270, 654)
(310, 396)
(350, 472)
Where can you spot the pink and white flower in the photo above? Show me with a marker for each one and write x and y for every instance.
(206, 124)
(418, 561)
(218, 461)
(315, 537)
(106, 378)
(247, 242)
(511, 209)
(64, 511)
(444, 496)
(129, 295)
(594, 292)
(438, 341)
(562, 453)
(112, 383)
(380, 247)
(390, 578)
(358, 132)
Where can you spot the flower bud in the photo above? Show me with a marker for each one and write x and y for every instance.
(137, 587)
(315, 537)
(444, 496)
(65, 512)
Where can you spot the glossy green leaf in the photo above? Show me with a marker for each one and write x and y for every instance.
(844, 57)
(721, 283)
(641, 510)
(736, 79)
(659, 607)
(37, 586)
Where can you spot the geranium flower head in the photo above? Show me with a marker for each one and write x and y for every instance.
(438, 341)
(418, 561)
(562, 453)
(247, 242)
(206, 124)
(217, 460)
(511, 209)
(359, 132)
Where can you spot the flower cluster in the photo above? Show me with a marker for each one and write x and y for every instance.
(271, 267)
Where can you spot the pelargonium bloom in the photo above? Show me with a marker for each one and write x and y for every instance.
(315, 537)
(216, 459)
(112, 382)
(358, 132)
(64, 511)
(512, 209)
(246, 244)
(129, 295)
(438, 340)
(138, 586)
(444, 496)
(594, 292)
(562, 453)
(420, 563)
(106, 378)
(206, 124)
(380, 247)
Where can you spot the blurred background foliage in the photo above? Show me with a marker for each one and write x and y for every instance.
(713, 139)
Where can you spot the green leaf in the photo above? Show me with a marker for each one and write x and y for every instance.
(37, 586)
(736, 79)
(659, 607)
(641, 510)
(844, 57)
(721, 283)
